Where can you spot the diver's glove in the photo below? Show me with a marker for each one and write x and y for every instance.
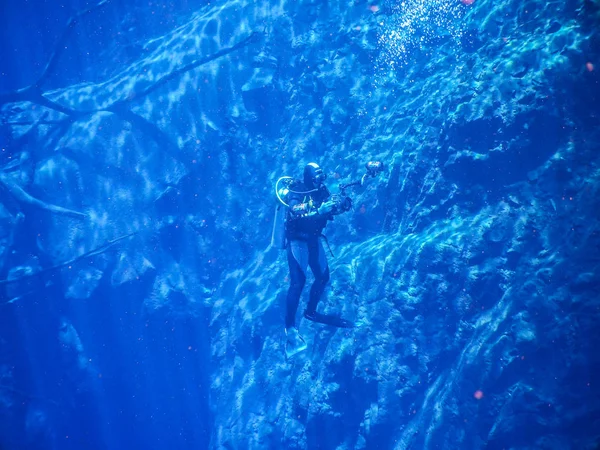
(326, 208)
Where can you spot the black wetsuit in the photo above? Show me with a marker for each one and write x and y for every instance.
(304, 249)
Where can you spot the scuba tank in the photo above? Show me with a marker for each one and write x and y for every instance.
(278, 234)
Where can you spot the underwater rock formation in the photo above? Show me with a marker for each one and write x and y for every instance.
(146, 198)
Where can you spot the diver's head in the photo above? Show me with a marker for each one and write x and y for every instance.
(313, 176)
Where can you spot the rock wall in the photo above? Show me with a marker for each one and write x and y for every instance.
(470, 267)
(137, 210)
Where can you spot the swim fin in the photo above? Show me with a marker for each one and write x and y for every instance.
(294, 343)
(328, 319)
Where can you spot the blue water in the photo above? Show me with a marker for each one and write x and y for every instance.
(142, 304)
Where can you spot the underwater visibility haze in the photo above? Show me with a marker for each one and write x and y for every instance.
(168, 169)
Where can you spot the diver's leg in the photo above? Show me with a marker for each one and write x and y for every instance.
(317, 260)
(297, 255)
(318, 264)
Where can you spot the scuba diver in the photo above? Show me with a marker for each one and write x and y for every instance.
(309, 206)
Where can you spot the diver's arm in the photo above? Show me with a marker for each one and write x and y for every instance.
(308, 209)
(302, 209)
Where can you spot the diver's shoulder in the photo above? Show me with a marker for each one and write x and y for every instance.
(296, 184)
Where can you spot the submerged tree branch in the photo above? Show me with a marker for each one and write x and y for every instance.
(60, 45)
(43, 101)
(97, 251)
(33, 93)
(34, 122)
(253, 37)
(16, 145)
(23, 198)
(164, 143)
(25, 395)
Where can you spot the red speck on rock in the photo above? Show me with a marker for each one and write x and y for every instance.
(478, 394)
(468, 2)
(589, 66)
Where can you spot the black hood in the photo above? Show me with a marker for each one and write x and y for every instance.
(313, 176)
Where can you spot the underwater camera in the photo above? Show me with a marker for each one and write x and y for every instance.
(342, 203)
(374, 168)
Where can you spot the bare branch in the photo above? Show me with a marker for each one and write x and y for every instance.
(33, 122)
(26, 395)
(97, 251)
(15, 146)
(25, 199)
(60, 45)
(165, 144)
(41, 100)
(253, 37)
(33, 93)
